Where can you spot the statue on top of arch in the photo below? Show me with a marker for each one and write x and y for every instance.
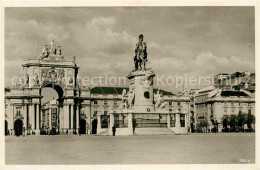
(50, 50)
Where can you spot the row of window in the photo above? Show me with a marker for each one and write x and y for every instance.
(201, 106)
(18, 112)
(240, 111)
(96, 112)
(173, 120)
(201, 99)
(105, 102)
(232, 104)
(178, 103)
(115, 102)
(225, 104)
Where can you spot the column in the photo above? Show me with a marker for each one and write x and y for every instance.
(25, 118)
(12, 120)
(71, 116)
(178, 123)
(120, 120)
(111, 120)
(37, 116)
(9, 112)
(168, 121)
(88, 114)
(50, 127)
(40, 116)
(186, 120)
(77, 118)
(61, 117)
(31, 116)
(99, 121)
(111, 123)
(66, 118)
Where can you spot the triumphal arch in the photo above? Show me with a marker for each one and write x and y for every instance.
(24, 100)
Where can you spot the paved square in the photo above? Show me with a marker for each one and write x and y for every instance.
(156, 149)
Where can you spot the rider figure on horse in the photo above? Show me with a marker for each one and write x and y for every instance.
(140, 57)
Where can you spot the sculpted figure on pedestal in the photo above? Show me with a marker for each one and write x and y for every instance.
(70, 80)
(27, 79)
(158, 100)
(45, 53)
(53, 47)
(131, 96)
(36, 80)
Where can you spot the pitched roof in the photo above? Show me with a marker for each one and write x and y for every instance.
(233, 93)
(119, 90)
(108, 90)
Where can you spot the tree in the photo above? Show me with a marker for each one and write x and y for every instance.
(241, 120)
(204, 124)
(250, 120)
(199, 127)
(233, 122)
(225, 122)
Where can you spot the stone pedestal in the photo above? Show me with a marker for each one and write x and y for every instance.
(130, 120)
(70, 131)
(37, 132)
(141, 85)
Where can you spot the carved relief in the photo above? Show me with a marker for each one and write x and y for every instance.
(44, 73)
(52, 73)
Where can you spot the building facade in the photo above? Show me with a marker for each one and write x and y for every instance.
(212, 105)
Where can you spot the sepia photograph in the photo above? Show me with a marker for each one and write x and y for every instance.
(129, 85)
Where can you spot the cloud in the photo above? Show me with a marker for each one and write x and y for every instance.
(111, 49)
(204, 62)
(23, 35)
(180, 41)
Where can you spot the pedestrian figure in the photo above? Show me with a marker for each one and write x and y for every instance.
(114, 130)
(79, 132)
(23, 131)
(134, 125)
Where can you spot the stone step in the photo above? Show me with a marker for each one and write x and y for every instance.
(104, 133)
(153, 131)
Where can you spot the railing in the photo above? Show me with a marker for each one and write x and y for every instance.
(121, 121)
(149, 120)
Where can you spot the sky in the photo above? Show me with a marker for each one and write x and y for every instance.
(181, 41)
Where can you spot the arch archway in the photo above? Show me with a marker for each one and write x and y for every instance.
(53, 94)
(82, 126)
(94, 126)
(18, 127)
(58, 88)
(6, 128)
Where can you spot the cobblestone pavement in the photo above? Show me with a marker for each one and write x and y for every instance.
(157, 149)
